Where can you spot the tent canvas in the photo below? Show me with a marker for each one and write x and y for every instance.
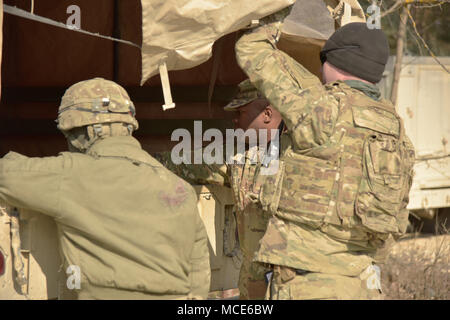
(181, 33)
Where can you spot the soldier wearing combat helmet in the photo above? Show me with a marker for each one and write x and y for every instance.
(93, 109)
(115, 206)
(346, 164)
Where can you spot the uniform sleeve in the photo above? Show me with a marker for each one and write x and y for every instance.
(196, 173)
(31, 183)
(200, 276)
(291, 89)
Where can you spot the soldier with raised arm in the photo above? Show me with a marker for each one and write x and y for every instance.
(346, 164)
(128, 225)
(243, 174)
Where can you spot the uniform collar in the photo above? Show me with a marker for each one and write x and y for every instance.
(368, 89)
(121, 146)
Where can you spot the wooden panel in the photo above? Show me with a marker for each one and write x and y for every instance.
(129, 27)
(42, 103)
(41, 62)
(182, 94)
(1, 43)
(51, 145)
(39, 55)
(33, 146)
(153, 110)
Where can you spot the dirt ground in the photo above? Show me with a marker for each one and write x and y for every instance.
(418, 269)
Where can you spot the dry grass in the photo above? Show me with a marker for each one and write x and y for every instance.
(418, 269)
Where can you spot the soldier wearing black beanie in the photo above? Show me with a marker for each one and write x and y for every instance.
(358, 50)
(347, 165)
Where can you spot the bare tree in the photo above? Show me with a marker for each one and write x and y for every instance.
(399, 55)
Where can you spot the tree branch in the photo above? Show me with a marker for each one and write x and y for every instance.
(393, 8)
(399, 56)
(423, 3)
(423, 41)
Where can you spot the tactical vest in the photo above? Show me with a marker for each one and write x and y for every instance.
(243, 178)
(251, 219)
(359, 178)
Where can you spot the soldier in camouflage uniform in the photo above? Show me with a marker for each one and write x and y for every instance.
(346, 164)
(251, 111)
(129, 225)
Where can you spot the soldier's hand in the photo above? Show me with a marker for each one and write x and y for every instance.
(277, 17)
(270, 25)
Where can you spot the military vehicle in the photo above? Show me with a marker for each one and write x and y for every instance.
(423, 104)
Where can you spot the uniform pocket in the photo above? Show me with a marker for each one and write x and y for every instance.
(306, 189)
(270, 180)
(380, 192)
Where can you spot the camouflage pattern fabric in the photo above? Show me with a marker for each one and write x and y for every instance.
(330, 249)
(252, 224)
(95, 101)
(130, 225)
(346, 166)
(286, 284)
(246, 94)
(251, 221)
(245, 181)
(252, 281)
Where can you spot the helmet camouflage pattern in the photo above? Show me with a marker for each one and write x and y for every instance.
(95, 101)
(246, 94)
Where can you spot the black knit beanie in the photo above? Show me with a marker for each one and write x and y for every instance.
(358, 50)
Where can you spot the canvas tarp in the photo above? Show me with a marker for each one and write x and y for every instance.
(181, 33)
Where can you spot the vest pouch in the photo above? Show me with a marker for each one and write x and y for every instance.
(270, 179)
(306, 189)
(381, 190)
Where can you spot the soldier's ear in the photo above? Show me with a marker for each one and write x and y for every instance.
(268, 114)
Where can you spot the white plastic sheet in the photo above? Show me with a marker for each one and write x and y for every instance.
(310, 19)
(318, 19)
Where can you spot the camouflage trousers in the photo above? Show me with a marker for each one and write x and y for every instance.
(252, 225)
(287, 284)
(252, 280)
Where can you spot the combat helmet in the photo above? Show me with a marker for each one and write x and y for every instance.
(96, 103)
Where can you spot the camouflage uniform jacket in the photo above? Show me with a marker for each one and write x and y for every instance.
(243, 176)
(346, 165)
(130, 225)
